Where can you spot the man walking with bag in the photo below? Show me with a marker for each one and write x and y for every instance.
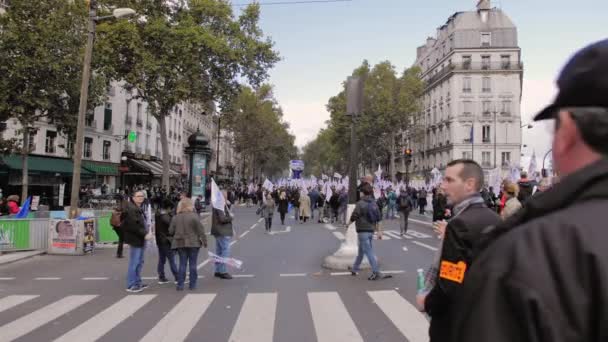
(136, 233)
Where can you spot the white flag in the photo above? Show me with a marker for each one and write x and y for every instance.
(268, 185)
(337, 175)
(532, 166)
(379, 172)
(217, 198)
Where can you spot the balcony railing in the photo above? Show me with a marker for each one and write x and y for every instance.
(109, 129)
(90, 124)
(475, 66)
(140, 123)
(106, 156)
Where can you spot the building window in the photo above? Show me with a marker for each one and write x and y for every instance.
(128, 120)
(486, 39)
(467, 107)
(466, 62)
(107, 117)
(485, 107)
(89, 119)
(88, 145)
(486, 133)
(49, 147)
(69, 148)
(485, 62)
(466, 84)
(505, 158)
(506, 108)
(505, 61)
(31, 144)
(485, 159)
(486, 84)
(106, 150)
(467, 155)
(139, 121)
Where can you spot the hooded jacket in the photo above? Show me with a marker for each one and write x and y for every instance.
(542, 274)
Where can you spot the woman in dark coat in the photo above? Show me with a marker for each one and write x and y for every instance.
(283, 206)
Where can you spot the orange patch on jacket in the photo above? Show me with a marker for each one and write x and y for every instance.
(453, 271)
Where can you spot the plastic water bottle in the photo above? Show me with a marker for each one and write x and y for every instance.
(420, 281)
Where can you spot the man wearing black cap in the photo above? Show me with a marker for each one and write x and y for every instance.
(543, 275)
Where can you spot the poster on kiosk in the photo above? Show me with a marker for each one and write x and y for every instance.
(71, 237)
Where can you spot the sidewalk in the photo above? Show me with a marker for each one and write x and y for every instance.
(11, 257)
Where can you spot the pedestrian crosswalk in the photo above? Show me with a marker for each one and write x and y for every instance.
(332, 317)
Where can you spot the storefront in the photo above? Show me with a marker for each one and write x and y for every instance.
(48, 177)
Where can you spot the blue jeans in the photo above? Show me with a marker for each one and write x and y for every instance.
(222, 249)
(166, 253)
(187, 257)
(365, 248)
(390, 213)
(136, 263)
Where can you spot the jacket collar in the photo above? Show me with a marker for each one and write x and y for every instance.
(586, 184)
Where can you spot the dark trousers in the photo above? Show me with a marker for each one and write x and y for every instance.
(282, 217)
(187, 258)
(121, 242)
(268, 223)
(165, 253)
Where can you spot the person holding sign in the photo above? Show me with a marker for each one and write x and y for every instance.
(221, 229)
(462, 183)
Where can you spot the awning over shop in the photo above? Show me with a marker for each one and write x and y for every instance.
(154, 167)
(42, 164)
(101, 169)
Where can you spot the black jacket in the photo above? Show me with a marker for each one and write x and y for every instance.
(461, 238)
(133, 225)
(359, 215)
(283, 205)
(161, 231)
(544, 274)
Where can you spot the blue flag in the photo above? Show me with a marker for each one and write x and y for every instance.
(25, 208)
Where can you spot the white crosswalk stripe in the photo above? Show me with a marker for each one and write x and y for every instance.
(38, 318)
(106, 320)
(11, 301)
(256, 320)
(404, 316)
(331, 319)
(176, 325)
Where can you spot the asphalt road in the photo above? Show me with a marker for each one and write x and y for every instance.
(281, 294)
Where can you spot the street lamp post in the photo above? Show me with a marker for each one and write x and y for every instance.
(544, 171)
(84, 97)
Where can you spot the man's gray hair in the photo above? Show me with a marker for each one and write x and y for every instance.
(592, 122)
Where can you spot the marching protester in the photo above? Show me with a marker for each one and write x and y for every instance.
(422, 201)
(343, 206)
(305, 204)
(116, 222)
(544, 273)
(221, 229)
(462, 184)
(405, 207)
(162, 221)
(366, 217)
(135, 232)
(512, 205)
(268, 212)
(188, 235)
(283, 206)
(526, 188)
(440, 204)
(13, 204)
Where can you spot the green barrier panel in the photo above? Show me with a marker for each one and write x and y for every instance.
(106, 232)
(14, 234)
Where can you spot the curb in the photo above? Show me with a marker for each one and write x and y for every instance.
(17, 256)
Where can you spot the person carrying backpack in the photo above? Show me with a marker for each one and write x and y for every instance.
(405, 207)
(366, 217)
(525, 188)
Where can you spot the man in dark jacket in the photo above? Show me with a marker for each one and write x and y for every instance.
(404, 204)
(221, 229)
(462, 183)
(135, 234)
(544, 274)
(526, 188)
(366, 217)
(163, 242)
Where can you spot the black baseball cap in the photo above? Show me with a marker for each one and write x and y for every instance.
(583, 82)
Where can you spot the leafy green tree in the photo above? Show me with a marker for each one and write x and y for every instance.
(180, 51)
(260, 135)
(41, 54)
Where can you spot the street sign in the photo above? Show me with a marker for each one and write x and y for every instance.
(132, 136)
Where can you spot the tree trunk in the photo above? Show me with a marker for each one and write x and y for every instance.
(24, 154)
(392, 157)
(165, 145)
